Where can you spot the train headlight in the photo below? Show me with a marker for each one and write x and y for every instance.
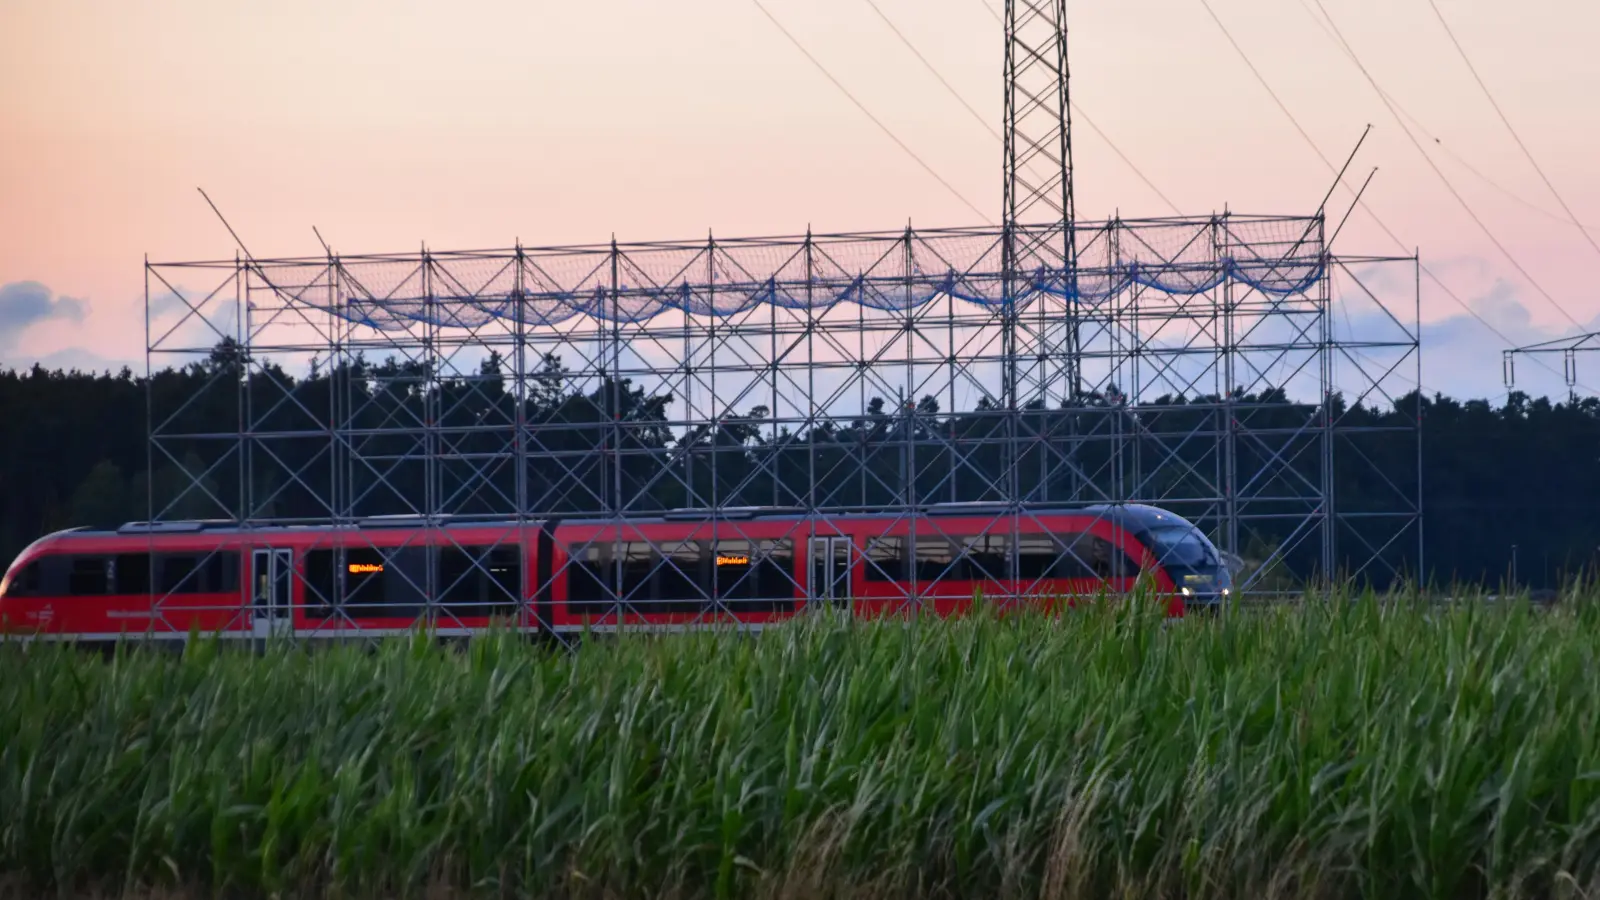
(1187, 592)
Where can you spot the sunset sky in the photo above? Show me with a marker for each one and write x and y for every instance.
(480, 122)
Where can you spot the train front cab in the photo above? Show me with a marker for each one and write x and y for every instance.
(1197, 572)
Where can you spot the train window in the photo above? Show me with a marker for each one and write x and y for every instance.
(132, 573)
(1099, 559)
(1078, 557)
(775, 573)
(984, 556)
(588, 591)
(27, 582)
(754, 575)
(680, 579)
(665, 578)
(367, 582)
(480, 580)
(405, 582)
(733, 569)
(682, 576)
(204, 573)
(886, 559)
(362, 572)
(637, 565)
(179, 575)
(935, 558)
(385, 583)
(1037, 556)
(319, 584)
(89, 575)
(1181, 545)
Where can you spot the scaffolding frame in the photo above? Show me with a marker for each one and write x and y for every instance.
(772, 351)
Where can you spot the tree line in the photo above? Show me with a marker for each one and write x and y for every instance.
(1497, 482)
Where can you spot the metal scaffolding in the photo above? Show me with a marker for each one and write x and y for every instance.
(826, 374)
(1196, 364)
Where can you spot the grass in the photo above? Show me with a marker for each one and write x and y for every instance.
(1334, 749)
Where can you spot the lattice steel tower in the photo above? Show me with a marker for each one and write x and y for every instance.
(1043, 351)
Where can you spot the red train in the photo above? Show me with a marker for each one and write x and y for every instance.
(747, 568)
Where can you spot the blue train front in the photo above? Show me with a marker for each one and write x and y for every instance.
(1194, 564)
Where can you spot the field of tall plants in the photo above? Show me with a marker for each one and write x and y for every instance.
(1344, 747)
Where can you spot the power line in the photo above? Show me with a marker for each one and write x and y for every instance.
(1507, 122)
(1442, 177)
(1439, 142)
(1362, 203)
(935, 72)
(1445, 148)
(875, 120)
(1270, 92)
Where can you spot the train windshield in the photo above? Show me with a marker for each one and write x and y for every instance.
(1182, 545)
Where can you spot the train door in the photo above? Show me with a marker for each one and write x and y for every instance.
(830, 571)
(271, 579)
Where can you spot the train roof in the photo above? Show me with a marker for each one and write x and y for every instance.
(1130, 514)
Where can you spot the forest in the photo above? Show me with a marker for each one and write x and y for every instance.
(1497, 481)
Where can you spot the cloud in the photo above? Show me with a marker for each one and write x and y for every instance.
(1464, 359)
(24, 304)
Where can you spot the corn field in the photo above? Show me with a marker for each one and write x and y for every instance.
(1350, 746)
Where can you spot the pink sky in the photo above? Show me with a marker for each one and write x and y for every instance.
(479, 122)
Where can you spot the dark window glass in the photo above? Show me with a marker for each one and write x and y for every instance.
(480, 580)
(680, 579)
(984, 557)
(1042, 556)
(1099, 558)
(25, 583)
(405, 582)
(503, 582)
(53, 575)
(1122, 565)
(667, 578)
(734, 563)
(222, 572)
(588, 581)
(181, 575)
(775, 575)
(319, 585)
(1181, 545)
(89, 576)
(935, 554)
(362, 570)
(755, 576)
(638, 565)
(133, 573)
(1077, 558)
(886, 559)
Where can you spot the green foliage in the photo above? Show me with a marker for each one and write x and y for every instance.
(1352, 746)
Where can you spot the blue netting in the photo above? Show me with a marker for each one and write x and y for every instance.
(883, 273)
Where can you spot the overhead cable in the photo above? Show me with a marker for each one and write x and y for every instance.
(1571, 217)
(1471, 213)
(1362, 203)
(868, 113)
